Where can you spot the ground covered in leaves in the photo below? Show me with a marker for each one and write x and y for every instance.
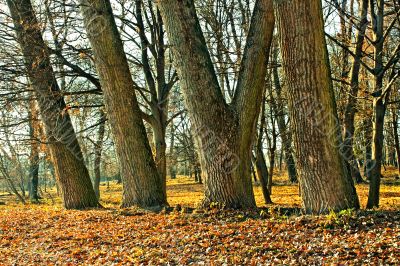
(48, 235)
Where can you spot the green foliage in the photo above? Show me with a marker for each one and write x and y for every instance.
(339, 219)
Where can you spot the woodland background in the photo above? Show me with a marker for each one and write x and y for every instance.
(199, 111)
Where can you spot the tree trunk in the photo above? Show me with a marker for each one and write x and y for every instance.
(161, 153)
(260, 164)
(262, 173)
(34, 156)
(325, 182)
(377, 152)
(172, 156)
(284, 132)
(368, 148)
(350, 109)
(396, 137)
(224, 132)
(71, 173)
(98, 153)
(379, 105)
(271, 168)
(254, 174)
(142, 185)
(156, 83)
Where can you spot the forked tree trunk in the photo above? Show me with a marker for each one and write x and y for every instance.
(324, 179)
(224, 132)
(142, 185)
(71, 173)
(156, 81)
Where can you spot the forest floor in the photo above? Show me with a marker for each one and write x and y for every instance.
(45, 234)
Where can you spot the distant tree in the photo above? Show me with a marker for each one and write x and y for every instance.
(381, 93)
(284, 130)
(34, 129)
(98, 150)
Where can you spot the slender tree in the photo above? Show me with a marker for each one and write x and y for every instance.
(350, 109)
(381, 93)
(284, 131)
(259, 159)
(98, 153)
(71, 173)
(35, 149)
(395, 118)
(143, 186)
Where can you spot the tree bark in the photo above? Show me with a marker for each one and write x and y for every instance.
(142, 184)
(324, 180)
(224, 132)
(71, 173)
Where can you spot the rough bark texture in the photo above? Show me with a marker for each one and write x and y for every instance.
(324, 179)
(224, 132)
(350, 109)
(142, 185)
(71, 173)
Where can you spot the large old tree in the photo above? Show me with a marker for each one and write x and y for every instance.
(325, 181)
(224, 131)
(143, 186)
(71, 172)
